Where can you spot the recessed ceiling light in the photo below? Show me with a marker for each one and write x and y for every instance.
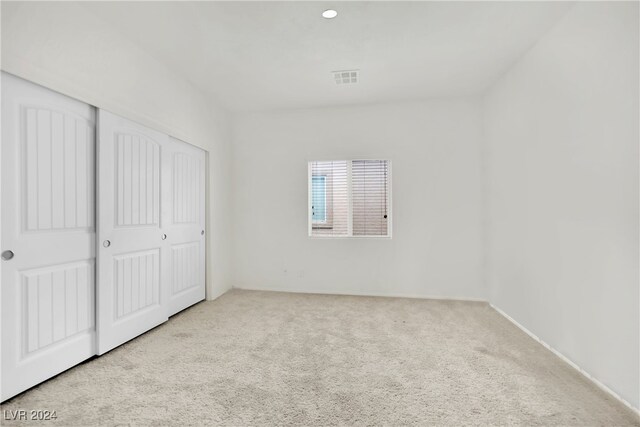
(329, 14)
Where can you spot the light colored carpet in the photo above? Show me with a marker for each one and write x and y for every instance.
(266, 358)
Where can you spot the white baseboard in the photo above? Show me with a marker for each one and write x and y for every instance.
(361, 294)
(568, 361)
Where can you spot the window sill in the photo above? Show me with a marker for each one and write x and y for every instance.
(351, 237)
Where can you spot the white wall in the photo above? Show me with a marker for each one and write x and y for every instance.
(561, 135)
(436, 246)
(562, 151)
(65, 47)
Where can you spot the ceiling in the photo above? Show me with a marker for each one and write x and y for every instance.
(253, 56)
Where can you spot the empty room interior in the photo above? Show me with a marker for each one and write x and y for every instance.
(320, 213)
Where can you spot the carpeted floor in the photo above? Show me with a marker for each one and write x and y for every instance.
(266, 358)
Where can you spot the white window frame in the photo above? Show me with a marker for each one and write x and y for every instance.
(349, 235)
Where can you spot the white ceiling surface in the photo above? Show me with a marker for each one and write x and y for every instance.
(252, 56)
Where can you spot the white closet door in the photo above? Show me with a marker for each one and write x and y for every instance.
(185, 225)
(133, 257)
(48, 234)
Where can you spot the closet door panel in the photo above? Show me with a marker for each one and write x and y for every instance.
(186, 225)
(48, 234)
(133, 267)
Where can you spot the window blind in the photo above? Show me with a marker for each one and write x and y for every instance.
(369, 195)
(349, 198)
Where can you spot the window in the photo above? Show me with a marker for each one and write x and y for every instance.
(350, 198)
(319, 199)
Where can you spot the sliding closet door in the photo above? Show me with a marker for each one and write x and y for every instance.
(48, 234)
(133, 258)
(186, 225)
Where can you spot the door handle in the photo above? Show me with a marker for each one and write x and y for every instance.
(164, 237)
(106, 243)
(7, 255)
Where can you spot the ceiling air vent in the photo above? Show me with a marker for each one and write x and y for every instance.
(344, 77)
